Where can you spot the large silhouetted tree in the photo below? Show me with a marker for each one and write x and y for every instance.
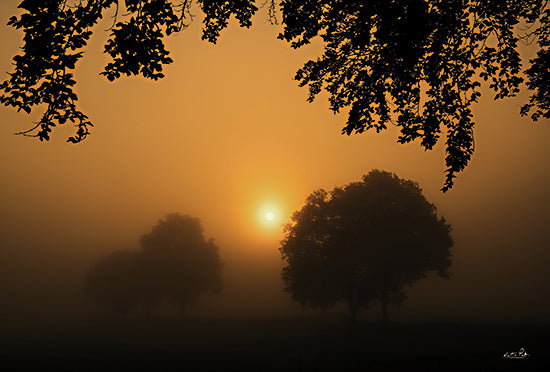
(176, 263)
(364, 242)
(416, 63)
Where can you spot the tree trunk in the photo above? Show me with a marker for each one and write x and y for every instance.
(384, 302)
(353, 308)
(147, 308)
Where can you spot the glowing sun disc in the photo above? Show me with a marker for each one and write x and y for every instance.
(269, 216)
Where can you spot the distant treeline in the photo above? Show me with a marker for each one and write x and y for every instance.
(359, 244)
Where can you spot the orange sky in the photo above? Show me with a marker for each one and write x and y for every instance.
(228, 131)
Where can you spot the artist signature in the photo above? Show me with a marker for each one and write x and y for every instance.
(521, 354)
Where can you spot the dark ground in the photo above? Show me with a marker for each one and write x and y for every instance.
(270, 345)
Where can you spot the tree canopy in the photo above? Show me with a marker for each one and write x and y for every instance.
(363, 243)
(176, 263)
(417, 64)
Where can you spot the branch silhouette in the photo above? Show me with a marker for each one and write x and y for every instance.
(417, 64)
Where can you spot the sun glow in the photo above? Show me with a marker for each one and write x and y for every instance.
(269, 215)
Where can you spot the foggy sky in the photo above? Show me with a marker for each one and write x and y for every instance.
(229, 130)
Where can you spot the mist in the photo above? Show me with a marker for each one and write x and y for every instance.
(225, 133)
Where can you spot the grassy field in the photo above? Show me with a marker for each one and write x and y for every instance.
(270, 345)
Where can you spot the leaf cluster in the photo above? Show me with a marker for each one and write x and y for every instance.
(56, 31)
(419, 63)
(53, 35)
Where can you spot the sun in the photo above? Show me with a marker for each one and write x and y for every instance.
(269, 215)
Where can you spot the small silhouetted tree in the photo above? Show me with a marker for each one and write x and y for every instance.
(364, 242)
(114, 281)
(182, 263)
(418, 63)
(176, 263)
